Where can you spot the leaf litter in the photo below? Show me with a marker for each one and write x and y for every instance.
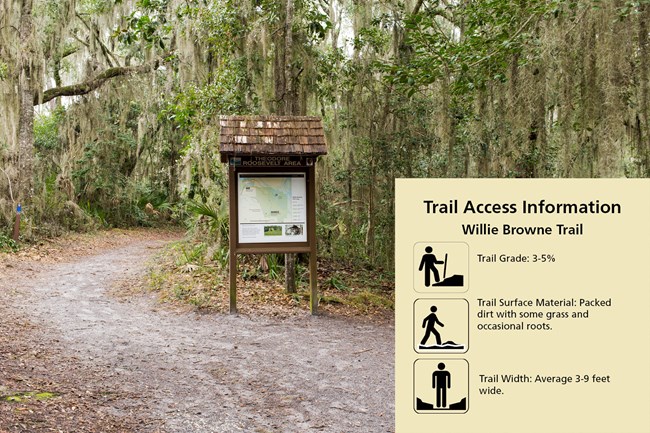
(128, 365)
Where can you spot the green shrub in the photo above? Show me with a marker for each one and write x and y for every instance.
(7, 244)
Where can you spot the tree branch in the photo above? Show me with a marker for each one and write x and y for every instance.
(94, 32)
(10, 27)
(417, 7)
(433, 9)
(517, 33)
(68, 51)
(11, 193)
(84, 43)
(95, 82)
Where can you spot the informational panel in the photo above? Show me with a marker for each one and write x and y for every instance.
(272, 207)
(522, 306)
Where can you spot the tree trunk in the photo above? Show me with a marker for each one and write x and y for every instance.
(279, 66)
(290, 108)
(483, 162)
(290, 97)
(26, 113)
(644, 117)
(448, 126)
(290, 272)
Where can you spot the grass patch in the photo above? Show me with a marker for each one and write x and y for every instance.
(366, 298)
(21, 397)
(331, 300)
(189, 273)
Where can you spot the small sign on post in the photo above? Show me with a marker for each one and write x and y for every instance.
(17, 223)
(272, 188)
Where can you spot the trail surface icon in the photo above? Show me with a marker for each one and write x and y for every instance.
(429, 325)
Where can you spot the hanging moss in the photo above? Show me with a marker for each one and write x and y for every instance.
(406, 89)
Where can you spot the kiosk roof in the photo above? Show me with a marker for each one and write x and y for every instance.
(271, 135)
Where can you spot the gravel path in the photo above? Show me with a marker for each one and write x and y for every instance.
(210, 373)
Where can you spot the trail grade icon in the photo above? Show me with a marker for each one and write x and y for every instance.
(441, 266)
(428, 265)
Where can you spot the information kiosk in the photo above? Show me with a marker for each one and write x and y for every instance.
(272, 184)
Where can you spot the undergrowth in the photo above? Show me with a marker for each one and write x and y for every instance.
(195, 274)
(7, 244)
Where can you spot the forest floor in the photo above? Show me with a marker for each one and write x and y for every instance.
(79, 352)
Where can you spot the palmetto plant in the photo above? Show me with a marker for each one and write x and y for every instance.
(217, 216)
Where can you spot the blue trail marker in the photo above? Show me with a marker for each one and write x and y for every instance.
(17, 223)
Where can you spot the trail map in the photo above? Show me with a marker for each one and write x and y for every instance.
(272, 207)
(265, 199)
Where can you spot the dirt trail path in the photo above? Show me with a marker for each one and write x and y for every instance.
(184, 372)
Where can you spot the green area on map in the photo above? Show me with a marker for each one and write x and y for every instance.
(264, 199)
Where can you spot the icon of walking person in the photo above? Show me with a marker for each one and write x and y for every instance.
(440, 381)
(428, 264)
(429, 323)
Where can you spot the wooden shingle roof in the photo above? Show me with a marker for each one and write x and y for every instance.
(271, 135)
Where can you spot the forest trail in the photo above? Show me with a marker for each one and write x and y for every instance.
(129, 365)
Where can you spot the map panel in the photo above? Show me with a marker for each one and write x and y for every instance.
(272, 207)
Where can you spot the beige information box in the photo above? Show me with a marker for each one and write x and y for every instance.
(522, 306)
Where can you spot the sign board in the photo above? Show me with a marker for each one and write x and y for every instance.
(272, 207)
(271, 161)
(522, 305)
(272, 188)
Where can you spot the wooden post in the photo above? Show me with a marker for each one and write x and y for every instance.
(313, 283)
(233, 282)
(17, 224)
(311, 224)
(232, 263)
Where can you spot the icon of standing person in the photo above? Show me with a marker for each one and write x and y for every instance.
(428, 263)
(429, 323)
(440, 381)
